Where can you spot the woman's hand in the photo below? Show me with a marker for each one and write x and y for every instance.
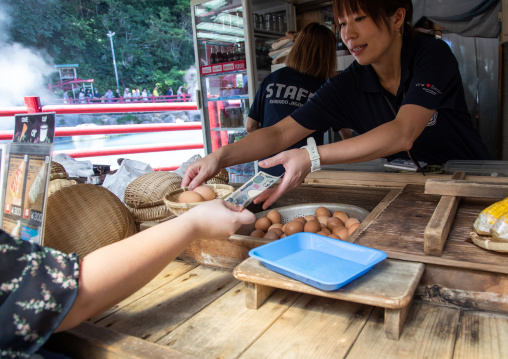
(297, 165)
(217, 218)
(201, 171)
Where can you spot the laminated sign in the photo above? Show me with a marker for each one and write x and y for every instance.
(27, 176)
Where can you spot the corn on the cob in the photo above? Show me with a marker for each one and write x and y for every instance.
(500, 229)
(488, 217)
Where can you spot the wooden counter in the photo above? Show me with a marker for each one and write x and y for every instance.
(196, 308)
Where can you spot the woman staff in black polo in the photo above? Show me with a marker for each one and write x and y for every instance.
(403, 94)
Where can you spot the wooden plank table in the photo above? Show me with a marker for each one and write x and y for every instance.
(288, 325)
(399, 231)
(389, 284)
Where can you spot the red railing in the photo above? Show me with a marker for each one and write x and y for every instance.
(33, 105)
(151, 98)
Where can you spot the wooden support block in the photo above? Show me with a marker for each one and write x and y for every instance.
(395, 320)
(476, 189)
(390, 284)
(257, 294)
(437, 230)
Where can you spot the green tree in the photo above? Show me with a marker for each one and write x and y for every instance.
(152, 42)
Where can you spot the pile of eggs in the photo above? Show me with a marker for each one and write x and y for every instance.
(337, 225)
(198, 194)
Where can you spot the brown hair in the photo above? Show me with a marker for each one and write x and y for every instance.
(378, 10)
(313, 52)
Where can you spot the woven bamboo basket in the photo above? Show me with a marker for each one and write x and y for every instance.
(221, 178)
(85, 217)
(148, 190)
(159, 213)
(144, 196)
(57, 171)
(171, 198)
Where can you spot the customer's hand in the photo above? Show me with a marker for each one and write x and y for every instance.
(297, 165)
(217, 218)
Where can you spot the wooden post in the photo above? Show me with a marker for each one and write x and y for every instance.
(437, 230)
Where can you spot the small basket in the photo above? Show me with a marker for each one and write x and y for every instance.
(221, 178)
(171, 198)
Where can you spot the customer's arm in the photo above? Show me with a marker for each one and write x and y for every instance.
(112, 273)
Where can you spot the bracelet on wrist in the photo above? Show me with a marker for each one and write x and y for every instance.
(314, 154)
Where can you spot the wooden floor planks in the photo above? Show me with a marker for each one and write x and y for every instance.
(314, 327)
(227, 327)
(172, 271)
(429, 332)
(154, 316)
(482, 336)
(202, 313)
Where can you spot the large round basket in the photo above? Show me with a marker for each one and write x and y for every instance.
(171, 198)
(85, 217)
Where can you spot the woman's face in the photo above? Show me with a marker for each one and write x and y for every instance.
(366, 42)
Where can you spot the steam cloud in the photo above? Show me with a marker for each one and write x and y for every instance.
(22, 70)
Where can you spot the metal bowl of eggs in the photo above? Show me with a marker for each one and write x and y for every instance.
(181, 200)
(334, 220)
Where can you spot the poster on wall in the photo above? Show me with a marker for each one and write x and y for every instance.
(27, 176)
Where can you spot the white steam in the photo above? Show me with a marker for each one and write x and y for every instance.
(22, 70)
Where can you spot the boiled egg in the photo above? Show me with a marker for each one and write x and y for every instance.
(206, 192)
(190, 197)
(274, 216)
(263, 224)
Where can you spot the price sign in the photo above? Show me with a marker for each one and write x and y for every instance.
(27, 176)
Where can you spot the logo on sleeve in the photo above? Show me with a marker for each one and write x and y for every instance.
(433, 119)
(433, 90)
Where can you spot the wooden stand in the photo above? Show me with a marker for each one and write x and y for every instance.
(439, 225)
(437, 230)
(390, 284)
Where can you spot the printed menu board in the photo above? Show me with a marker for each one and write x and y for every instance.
(34, 128)
(27, 176)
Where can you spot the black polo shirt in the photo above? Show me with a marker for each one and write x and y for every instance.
(280, 93)
(430, 78)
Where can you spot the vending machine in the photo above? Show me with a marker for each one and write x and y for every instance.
(231, 45)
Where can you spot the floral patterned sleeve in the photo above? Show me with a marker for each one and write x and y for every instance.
(38, 286)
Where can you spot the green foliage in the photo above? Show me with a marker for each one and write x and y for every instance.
(129, 119)
(152, 42)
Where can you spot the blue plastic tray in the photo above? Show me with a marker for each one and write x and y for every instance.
(316, 260)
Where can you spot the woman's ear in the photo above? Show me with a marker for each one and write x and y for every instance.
(398, 18)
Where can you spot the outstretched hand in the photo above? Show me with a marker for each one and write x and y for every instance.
(218, 218)
(297, 165)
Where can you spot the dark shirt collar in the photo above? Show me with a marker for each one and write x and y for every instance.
(367, 77)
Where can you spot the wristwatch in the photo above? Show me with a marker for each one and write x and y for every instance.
(314, 154)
